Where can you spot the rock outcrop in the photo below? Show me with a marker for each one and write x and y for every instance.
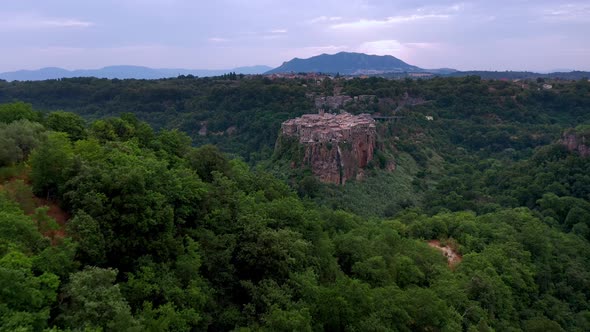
(332, 102)
(339, 102)
(577, 142)
(336, 147)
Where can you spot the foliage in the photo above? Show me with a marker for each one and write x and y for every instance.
(50, 162)
(92, 300)
(18, 111)
(18, 139)
(27, 294)
(166, 236)
(67, 122)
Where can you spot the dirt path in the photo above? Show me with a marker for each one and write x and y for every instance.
(54, 211)
(452, 256)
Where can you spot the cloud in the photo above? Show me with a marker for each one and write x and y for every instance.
(422, 46)
(457, 7)
(66, 23)
(34, 22)
(218, 40)
(309, 51)
(381, 47)
(449, 9)
(424, 13)
(367, 24)
(568, 13)
(149, 55)
(394, 47)
(323, 19)
(272, 36)
(324, 49)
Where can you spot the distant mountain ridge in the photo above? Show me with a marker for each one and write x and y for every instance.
(515, 75)
(346, 63)
(123, 72)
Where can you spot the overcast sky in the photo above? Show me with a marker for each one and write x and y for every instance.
(200, 34)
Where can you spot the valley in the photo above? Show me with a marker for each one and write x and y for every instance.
(312, 202)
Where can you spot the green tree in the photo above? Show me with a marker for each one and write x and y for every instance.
(541, 324)
(93, 300)
(18, 139)
(87, 233)
(51, 163)
(67, 122)
(207, 159)
(17, 230)
(18, 111)
(174, 142)
(25, 299)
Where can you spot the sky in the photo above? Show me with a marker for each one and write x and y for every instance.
(541, 35)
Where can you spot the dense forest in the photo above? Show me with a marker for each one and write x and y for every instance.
(119, 212)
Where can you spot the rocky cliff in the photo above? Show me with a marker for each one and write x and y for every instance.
(577, 141)
(336, 147)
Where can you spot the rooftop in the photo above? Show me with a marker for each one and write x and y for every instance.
(326, 127)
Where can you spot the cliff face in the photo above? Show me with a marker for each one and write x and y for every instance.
(576, 142)
(336, 147)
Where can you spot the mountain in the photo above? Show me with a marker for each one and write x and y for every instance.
(514, 75)
(123, 72)
(388, 66)
(442, 71)
(252, 70)
(346, 63)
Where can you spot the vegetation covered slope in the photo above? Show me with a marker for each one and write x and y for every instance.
(345, 63)
(243, 115)
(165, 236)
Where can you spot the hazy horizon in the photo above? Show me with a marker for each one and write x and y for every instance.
(536, 36)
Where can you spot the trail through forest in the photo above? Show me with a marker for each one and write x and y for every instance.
(29, 203)
(452, 256)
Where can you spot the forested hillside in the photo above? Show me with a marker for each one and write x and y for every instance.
(116, 215)
(251, 107)
(242, 114)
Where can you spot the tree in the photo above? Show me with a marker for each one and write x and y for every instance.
(93, 300)
(67, 122)
(50, 163)
(207, 159)
(266, 253)
(87, 233)
(541, 324)
(25, 299)
(17, 231)
(288, 320)
(167, 318)
(21, 193)
(428, 312)
(103, 131)
(18, 139)
(18, 111)
(45, 224)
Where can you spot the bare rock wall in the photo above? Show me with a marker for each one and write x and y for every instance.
(337, 147)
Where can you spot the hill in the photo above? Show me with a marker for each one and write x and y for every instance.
(160, 235)
(123, 72)
(347, 64)
(473, 213)
(499, 75)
